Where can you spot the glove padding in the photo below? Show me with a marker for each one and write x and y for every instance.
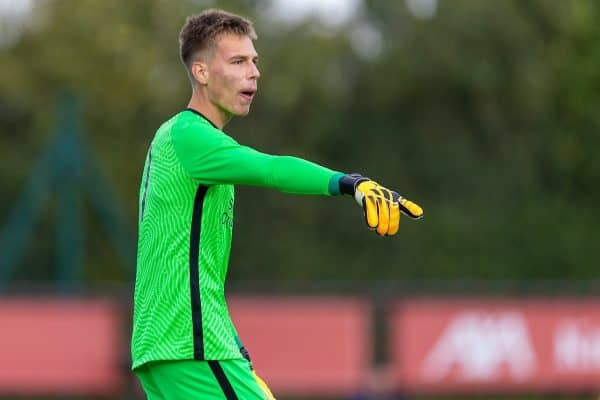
(381, 206)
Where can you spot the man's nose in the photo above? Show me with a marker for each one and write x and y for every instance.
(254, 72)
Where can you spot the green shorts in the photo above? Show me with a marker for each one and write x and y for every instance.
(192, 379)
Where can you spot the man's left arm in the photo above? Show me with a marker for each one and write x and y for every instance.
(222, 160)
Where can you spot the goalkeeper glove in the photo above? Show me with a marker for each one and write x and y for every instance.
(381, 206)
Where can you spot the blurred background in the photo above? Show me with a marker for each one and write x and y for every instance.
(484, 112)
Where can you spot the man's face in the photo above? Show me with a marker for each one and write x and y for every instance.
(232, 74)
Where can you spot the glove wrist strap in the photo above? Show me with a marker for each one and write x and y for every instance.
(349, 182)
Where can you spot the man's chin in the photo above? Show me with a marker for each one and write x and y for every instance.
(242, 112)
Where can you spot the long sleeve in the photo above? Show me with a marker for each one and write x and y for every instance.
(213, 157)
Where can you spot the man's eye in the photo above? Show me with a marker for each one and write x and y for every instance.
(237, 61)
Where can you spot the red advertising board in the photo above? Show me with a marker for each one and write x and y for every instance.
(307, 345)
(300, 345)
(502, 346)
(54, 346)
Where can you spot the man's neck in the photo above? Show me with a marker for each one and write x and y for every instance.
(199, 102)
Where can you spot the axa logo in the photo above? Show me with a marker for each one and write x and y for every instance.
(577, 346)
(480, 347)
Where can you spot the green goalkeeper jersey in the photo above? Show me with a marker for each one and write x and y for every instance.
(185, 228)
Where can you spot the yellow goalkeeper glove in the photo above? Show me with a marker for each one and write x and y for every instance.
(381, 206)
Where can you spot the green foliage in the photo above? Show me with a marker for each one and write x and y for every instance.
(485, 114)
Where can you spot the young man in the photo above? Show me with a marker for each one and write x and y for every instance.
(184, 344)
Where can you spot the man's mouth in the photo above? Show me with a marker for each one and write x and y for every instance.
(248, 94)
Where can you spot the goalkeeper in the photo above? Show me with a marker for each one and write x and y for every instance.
(184, 345)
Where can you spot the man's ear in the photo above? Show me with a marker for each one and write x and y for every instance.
(200, 72)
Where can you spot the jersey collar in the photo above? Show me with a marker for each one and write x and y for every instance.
(201, 115)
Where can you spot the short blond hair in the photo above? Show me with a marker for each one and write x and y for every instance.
(201, 32)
